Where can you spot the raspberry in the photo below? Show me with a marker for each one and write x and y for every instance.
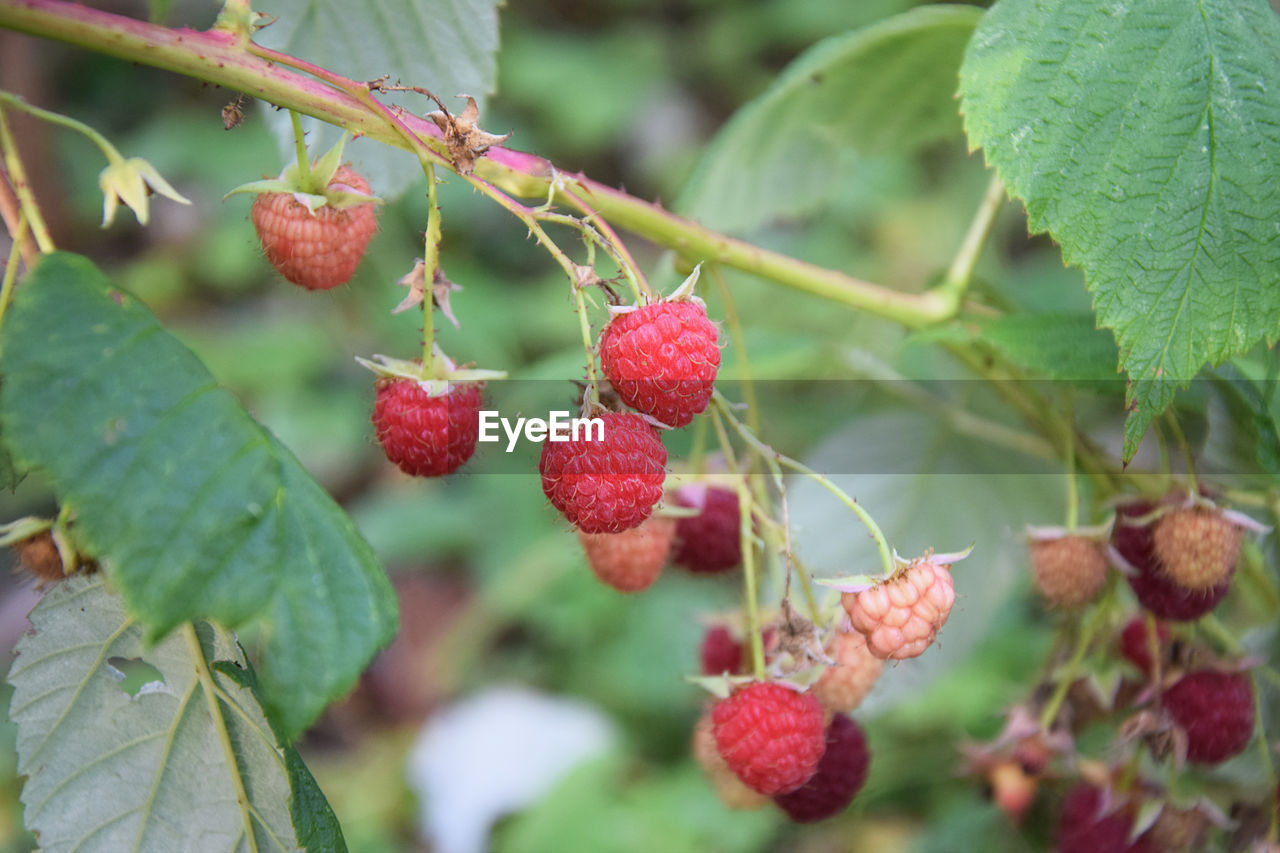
(662, 359)
(843, 687)
(1196, 548)
(425, 434)
(728, 786)
(901, 616)
(1069, 570)
(39, 555)
(841, 774)
(1155, 592)
(610, 485)
(721, 652)
(1135, 643)
(710, 541)
(316, 250)
(1084, 828)
(631, 560)
(771, 736)
(1215, 709)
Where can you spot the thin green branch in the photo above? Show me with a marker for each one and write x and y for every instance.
(960, 272)
(11, 268)
(22, 187)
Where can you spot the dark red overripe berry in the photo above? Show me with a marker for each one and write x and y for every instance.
(841, 773)
(721, 652)
(1156, 592)
(631, 560)
(317, 250)
(607, 485)
(1084, 826)
(1135, 642)
(1215, 709)
(662, 359)
(427, 434)
(710, 541)
(770, 736)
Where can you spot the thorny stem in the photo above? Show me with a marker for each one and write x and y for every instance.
(431, 263)
(300, 147)
(882, 544)
(21, 186)
(11, 213)
(11, 268)
(593, 380)
(611, 243)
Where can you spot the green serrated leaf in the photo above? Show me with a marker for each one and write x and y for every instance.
(1142, 137)
(189, 763)
(9, 476)
(1060, 346)
(886, 88)
(196, 511)
(1252, 436)
(447, 46)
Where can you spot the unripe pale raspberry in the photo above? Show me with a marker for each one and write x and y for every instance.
(425, 434)
(842, 687)
(728, 787)
(1154, 590)
(631, 560)
(610, 485)
(901, 616)
(1215, 709)
(1069, 570)
(770, 736)
(710, 541)
(1196, 547)
(662, 359)
(841, 774)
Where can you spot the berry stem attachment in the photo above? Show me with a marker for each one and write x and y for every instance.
(767, 452)
(1176, 429)
(431, 261)
(22, 186)
(593, 379)
(749, 580)
(1073, 494)
(300, 147)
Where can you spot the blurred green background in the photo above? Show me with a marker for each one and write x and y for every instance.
(493, 586)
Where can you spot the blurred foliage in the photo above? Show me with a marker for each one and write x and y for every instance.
(629, 91)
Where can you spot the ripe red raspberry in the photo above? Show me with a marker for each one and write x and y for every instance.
(1159, 595)
(841, 774)
(425, 434)
(1215, 709)
(900, 616)
(316, 250)
(710, 541)
(1135, 643)
(1069, 570)
(842, 687)
(631, 560)
(1083, 826)
(610, 485)
(771, 736)
(729, 788)
(1196, 547)
(662, 359)
(721, 652)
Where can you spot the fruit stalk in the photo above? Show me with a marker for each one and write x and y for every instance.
(21, 186)
(11, 267)
(431, 260)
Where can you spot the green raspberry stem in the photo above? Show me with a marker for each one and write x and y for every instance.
(431, 263)
(11, 267)
(22, 187)
(749, 580)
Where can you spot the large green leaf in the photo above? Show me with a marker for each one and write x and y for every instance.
(884, 88)
(1143, 137)
(1060, 346)
(446, 46)
(196, 510)
(187, 763)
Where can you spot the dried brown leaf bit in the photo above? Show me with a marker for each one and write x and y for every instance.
(441, 287)
(464, 137)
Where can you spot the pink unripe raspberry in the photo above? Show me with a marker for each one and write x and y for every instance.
(841, 774)
(728, 787)
(633, 559)
(770, 736)
(901, 616)
(842, 687)
(1215, 709)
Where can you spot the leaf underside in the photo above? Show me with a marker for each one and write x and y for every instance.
(195, 511)
(110, 771)
(1144, 137)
